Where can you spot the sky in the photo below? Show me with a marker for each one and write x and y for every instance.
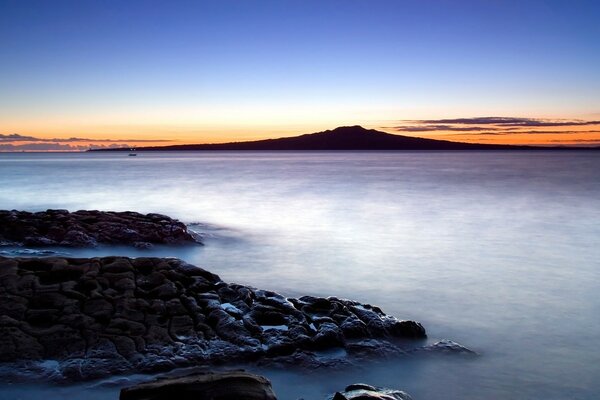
(80, 73)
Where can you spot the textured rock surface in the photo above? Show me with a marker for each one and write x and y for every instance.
(100, 316)
(361, 391)
(90, 228)
(234, 385)
(238, 385)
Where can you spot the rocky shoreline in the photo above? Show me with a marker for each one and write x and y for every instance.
(91, 228)
(95, 317)
(75, 319)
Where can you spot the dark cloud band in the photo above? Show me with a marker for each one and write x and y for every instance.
(487, 126)
(14, 137)
(505, 121)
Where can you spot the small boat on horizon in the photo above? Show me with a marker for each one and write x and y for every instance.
(132, 153)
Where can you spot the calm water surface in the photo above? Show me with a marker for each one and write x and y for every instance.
(499, 251)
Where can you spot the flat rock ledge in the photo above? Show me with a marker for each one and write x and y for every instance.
(230, 385)
(91, 228)
(238, 385)
(86, 318)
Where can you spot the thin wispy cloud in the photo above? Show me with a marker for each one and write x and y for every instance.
(513, 132)
(55, 147)
(506, 130)
(15, 137)
(429, 128)
(597, 140)
(494, 126)
(505, 121)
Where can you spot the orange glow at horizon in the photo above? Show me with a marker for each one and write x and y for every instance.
(567, 137)
(78, 137)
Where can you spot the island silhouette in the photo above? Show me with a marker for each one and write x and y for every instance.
(344, 138)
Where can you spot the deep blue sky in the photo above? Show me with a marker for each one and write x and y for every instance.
(227, 67)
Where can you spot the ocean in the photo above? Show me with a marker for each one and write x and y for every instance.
(499, 251)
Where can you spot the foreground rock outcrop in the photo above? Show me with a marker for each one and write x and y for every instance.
(232, 385)
(101, 316)
(90, 228)
(238, 385)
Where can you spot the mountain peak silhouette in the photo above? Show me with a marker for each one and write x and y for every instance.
(354, 137)
(350, 128)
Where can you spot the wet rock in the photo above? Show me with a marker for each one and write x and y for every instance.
(182, 326)
(353, 327)
(329, 335)
(115, 314)
(15, 343)
(77, 238)
(39, 241)
(407, 329)
(143, 245)
(235, 385)
(90, 228)
(361, 391)
(445, 346)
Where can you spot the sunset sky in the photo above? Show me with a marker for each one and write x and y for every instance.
(115, 73)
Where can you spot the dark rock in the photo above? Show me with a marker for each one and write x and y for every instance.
(13, 306)
(76, 238)
(15, 344)
(44, 317)
(360, 386)
(38, 241)
(61, 341)
(407, 329)
(90, 228)
(98, 308)
(112, 315)
(361, 391)
(125, 346)
(445, 347)
(353, 327)
(125, 327)
(235, 385)
(329, 335)
(167, 290)
(143, 245)
(118, 266)
(182, 326)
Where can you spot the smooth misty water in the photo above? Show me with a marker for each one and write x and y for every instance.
(499, 251)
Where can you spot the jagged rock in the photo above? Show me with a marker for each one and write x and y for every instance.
(235, 385)
(151, 314)
(444, 346)
(90, 228)
(361, 391)
(328, 335)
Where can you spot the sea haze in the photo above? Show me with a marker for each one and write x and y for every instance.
(496, 250)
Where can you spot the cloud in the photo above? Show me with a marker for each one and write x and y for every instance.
(45, 146)
(479, 134)
(576, 140)
(506, 121)
(514, 132)
(14, 137)
(428, 128)
(483, 127)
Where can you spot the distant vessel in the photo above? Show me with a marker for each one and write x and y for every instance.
(133, 153)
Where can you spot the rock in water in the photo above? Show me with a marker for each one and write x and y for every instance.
(234, 385)
(90, 228)
(361, 391)
(110, 315)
